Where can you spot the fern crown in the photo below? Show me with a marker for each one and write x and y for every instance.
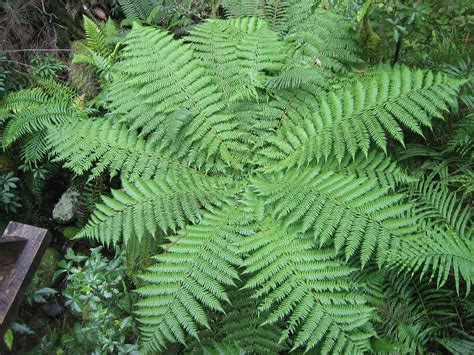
(270, 184)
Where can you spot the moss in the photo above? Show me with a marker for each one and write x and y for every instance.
(70, 232)
(47, 268)
(370, 41)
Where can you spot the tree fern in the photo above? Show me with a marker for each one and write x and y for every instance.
(350, 213)
(275, 179)
(306, 288)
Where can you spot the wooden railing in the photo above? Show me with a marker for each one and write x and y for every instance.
(21, 249)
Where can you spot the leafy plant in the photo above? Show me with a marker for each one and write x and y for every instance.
(170, 14)
(265, 172)
(98, 49)
(8, 196)
(95, 292)
(45, 66)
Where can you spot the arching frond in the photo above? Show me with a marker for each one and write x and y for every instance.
(348, 121)
(158, 76)
(323, 38)
(238, 54)
(375, 166)
(189, 278)
(442, 207)
(442, 252)
(32, 111)
(351, 213)
(306, 288)
(412, 313)
(167, 203)
(98, 145)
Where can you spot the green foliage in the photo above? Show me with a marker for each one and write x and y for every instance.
(242, 324)
(412, 313)
(266, 168)
(45, 66)
(171, 14)
(98, 49)
(318, 37)
(25, 116)
(8, 194)
(221, 349)
(96, 294)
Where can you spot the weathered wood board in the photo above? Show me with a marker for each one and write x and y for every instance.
(21, 249)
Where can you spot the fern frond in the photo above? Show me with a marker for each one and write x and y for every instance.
(98, 49)
(351, 213)
(33, 111)
(189, 278)
(375, 166)
(34, 147)
(137, 10)
(98, 145)
(459, 346)
(306, 288)
(158, 76)
(295, 77)
(443, 252)
(413, 313)
(166, 203)
(443, 207)
(94, 37)
(244, 8)
(321, 37)
(238, 53)
(350, 120)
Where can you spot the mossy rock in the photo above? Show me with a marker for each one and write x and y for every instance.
(65, 211)
(47, 268)
(370, 42)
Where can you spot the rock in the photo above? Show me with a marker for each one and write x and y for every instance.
(47, 268)
(65, 211)
(53, 309)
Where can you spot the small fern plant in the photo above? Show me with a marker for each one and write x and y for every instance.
(270, 190)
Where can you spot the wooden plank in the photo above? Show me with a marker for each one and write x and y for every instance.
(10, 249)
(19, 275)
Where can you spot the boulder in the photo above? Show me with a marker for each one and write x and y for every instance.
(65, 211)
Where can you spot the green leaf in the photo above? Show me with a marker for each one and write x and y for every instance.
(8, 338)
